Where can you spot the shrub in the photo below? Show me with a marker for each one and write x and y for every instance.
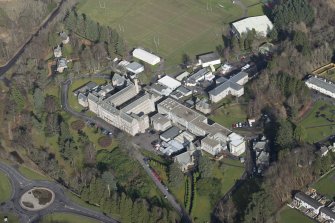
(77, 125)
(105, 141)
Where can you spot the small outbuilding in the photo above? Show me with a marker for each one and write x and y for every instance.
(209, 59)
(135, 68)
(169, 82)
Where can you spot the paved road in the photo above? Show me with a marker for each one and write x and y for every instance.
(64, 102)
(15, 57)
(62, 203)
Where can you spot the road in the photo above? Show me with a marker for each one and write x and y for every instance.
(18, 53)
(62, 203)
(64, 102)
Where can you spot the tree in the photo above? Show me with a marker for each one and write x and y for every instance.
(51, 104)
(300, 133)
(284, 135)
(186, 60)
(109, 179)
(175, 175)
(205, 166)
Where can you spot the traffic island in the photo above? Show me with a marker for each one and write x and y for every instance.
(37, 199)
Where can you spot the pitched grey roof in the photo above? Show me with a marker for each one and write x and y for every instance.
(322, 84)
(198, 75)
(307, 199)
(328, 212)
(208, 57)
(221, 80)
(224, 86)
(238, 76)
(134, 66)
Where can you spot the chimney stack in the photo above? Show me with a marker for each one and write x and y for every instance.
(136, 85)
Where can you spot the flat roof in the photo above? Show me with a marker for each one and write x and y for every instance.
(261, 24)
(146, 56)
(134, 66)
(170, 133)
(169, 82)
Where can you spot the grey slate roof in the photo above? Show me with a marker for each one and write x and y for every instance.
(134, 66)
(183, 90)
(198, 74)
(238, 76)
(208, 57)
(170, 133)
(322, 84)
(307, 199)
(225, 86)
(221, 80)
(328, 212)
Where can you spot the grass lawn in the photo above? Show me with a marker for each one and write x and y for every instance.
(191, 27)
(11, 217)
(232, 170)
(226, 116)
(73, 101)
(321, 114)
(65, 217)
(251, 2)
(289, 215)
(31, 174)
(255, 10)
(326, 185)
(5, 188)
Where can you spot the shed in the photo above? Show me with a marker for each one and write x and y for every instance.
(169, 82)
(135, 67)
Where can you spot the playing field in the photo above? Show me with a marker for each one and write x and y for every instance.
(167, 27)
(289, 215)
(326, 185)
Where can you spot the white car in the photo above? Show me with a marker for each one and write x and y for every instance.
(247, 66)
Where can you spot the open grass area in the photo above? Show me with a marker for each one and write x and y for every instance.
(65, 217)
(191, 27)
(228, 173)
(31, 174)
(326, 185)
(319, 122)
(289, 215)
(5, 188)
(230, 114)
(73, 101)
(255, 10)
(11, 217)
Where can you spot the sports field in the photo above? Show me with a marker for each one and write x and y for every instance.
(289, 215)
(167, 27)
(326, 185)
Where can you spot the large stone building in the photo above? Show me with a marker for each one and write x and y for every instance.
(322, 86)
(232, 86)
(124, 109)
(215, 136)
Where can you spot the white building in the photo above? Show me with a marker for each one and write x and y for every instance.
(160, 122)
(236, 144)
(182, 76)
(61, 65)
(169, 82)
(201, 75)
(58, 51)
(135, 67)
(321, 85)
(209, 59)
(232, 86)
(215, 136)
(65, 38)
(327, 214)
(146, 56)
(261, 24)
(303, 200)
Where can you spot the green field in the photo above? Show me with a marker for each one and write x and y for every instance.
(289, 215)
(187, 26)
(318, 127)
(255, 10)
(11, 217)
(5, 188)
(326, 185)
(64, 217)
(232, 170)
(31, 174)
(229, 115)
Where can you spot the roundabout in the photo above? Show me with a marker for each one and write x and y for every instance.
(37, 199)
